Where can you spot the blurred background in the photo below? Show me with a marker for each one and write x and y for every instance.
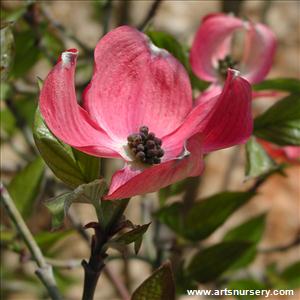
(44, 29)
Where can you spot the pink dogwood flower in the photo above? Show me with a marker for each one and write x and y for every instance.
(138, 107)
(211, 50)
(211, 55)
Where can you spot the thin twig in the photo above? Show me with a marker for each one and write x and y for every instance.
(257, 184)
(283, 248)
(107, 9)
(64, 263)
(123, 12)
(232, 6)
(44, 270)
(57, 263)
(150, 14)
(118, 284)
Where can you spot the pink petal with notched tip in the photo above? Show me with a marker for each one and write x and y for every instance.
(135, 84)
(231, 121)
(212, 43)
(223, 121)
(65, 118)
(259, 52)
(132, 181)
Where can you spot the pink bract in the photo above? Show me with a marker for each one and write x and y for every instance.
(213, 40)
(135, 84)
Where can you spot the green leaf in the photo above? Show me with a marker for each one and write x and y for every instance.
(70, 166)
(7, 50)
(291, 276)
(280, 124)
(132, 236)
(25, 186)
(51, 41)
(56, 207)
(5, 91)
(168, 42)
(197, 83)
(89, 165)
(90, 193)
(246, 284)
(8, 122)
(47, 240)
(137, 245)
(7, 236)
(212, 262)
(182, 280)
(250, 231)
(58, 156)
(112, 212)
(12, 15)
(259, 163)
(27, 52)
(159, 286)
(283, 84)
(26, 107)
(205, 216)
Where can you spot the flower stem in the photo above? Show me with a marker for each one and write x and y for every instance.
(44, 270)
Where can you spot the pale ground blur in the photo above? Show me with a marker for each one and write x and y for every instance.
(280, 197)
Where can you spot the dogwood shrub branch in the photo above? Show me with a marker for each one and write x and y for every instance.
(96, 263)
(114, 279)
(44, 270)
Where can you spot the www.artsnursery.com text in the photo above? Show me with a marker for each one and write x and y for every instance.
(230, 292)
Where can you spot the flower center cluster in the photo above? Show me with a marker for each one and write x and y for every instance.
(224, 64)
(145, 146)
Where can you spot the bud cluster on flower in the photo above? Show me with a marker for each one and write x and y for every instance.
(146, 146)
(224, 64)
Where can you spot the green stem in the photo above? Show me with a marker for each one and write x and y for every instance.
(44, 271)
